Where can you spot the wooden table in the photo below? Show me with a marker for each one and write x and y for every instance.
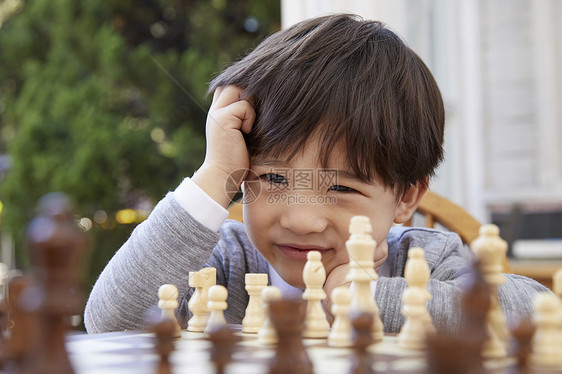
(540, 270)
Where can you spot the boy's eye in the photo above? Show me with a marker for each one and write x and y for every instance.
(274, 178)
(340, 188)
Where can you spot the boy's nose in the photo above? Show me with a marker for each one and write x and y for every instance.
(304, 218)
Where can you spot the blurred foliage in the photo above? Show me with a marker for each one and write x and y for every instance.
(106, 100)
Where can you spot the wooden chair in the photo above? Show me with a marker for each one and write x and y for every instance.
(235, 212)
(436, 210)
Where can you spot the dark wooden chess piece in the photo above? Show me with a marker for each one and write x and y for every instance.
(164, 332)
(287, 317)
(4, 321)
(223, 342)
(476, 301)
(462, 353)
(56, 247)
(362, 324)
(23, 326)
(445, 354)
(523, 344)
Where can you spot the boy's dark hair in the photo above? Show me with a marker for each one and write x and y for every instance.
(344, 80)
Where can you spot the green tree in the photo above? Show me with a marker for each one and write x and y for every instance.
(106, 101)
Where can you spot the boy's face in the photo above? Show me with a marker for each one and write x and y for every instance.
(300, 207)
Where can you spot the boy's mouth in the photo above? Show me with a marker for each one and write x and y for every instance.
(298, 251)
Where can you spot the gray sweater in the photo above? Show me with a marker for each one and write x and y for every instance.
(170, 243)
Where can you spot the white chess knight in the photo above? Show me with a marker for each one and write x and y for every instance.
(216, 303)
(418, 320)
(361, 250)
(254, 315)
(168, 303)
(202, 280)
(490, 249)
(314, 276)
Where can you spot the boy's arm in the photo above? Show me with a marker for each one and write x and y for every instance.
(162, 249)
(449, 264)
(447, 281)
(170, 243)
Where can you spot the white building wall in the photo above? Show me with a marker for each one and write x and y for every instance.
(496, 64)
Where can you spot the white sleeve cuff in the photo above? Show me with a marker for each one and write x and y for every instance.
(199, 205)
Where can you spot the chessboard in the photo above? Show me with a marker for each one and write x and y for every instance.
(133, 352)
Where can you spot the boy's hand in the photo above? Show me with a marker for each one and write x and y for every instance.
(226, 156)
(335, 279)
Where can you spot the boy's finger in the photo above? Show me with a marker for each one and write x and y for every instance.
(244, 111)
(249, 118)
(227, 96)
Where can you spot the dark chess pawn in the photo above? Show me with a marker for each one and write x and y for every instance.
(165, 335)
(223, 342)
(362, 324)
(287, 317)
(523, 344)
(56, 247)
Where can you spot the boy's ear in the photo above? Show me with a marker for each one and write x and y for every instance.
(409, 202)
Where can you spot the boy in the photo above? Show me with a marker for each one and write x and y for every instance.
(332, 118)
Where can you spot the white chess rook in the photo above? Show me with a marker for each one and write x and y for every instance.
(168, 303)
(361, 250)
(254, 315)
(202, 280)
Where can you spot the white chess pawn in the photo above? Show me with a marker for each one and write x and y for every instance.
(418, 320)
(546, 342)
(202, 280)
(413, 332)
(168, 303)
(341, 333)
(267, 334)
(254, 315)
(361, 249)
(216, 303)
(490, 249)
(417, 274)
(314, 275)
